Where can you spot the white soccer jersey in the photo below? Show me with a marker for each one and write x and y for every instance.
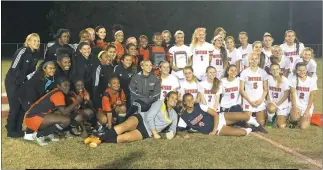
(311, 67)
(290, 52)
(284, 63)
(230, 93)
(244, 53)
(234, 56)
(167, 85)
(253, 83)
(303, 90)
(217, 62)
(186, 87)
(200, 58)
(276, 93)
(205, 87)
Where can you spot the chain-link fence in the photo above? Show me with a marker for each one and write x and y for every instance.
(7, 49)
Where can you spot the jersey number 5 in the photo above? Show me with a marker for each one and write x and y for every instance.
(255, 85)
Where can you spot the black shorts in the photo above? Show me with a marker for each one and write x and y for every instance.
(235, 108)
(141, 127)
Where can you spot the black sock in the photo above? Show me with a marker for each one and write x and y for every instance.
(49, 130)
(73, 123)
(29, 131)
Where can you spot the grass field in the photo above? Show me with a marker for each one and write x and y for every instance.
(200, 151)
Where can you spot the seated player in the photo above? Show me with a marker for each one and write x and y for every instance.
(143, 125)
(113, 105)
(44, 120)
(205, 120)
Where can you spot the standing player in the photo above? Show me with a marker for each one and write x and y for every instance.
(278, 58)
(202, 53)
(277, 98)
(256, 48)
(210, 89)
(292, 48)
(302, 91)
(254, 88)
(231, 98)
(234, 55)
(245, 47)
(220, 56)
(118, 37)
(268, 45)
(180, 56)
(168, 82)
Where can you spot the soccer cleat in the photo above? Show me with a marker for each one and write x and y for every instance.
(75, 131)
(260, 129)
(40, 140)
(191, 130)
(29, 136)
(51, 137)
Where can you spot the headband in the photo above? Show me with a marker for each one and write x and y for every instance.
(99, 55)
(47, 63)
(118, 32)
(179, 32)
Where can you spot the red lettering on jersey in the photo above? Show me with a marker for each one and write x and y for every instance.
(190, 91)
(180, 52)
(166, 87)
(208, 91)
(275, 89)
(200, 52)
(254, 78)
(197, 119)
(243, 55)
(305, 89)
(291, 53)
(217, 56)
(232, 89)
(246, 106)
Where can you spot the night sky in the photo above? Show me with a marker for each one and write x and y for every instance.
(22, 18)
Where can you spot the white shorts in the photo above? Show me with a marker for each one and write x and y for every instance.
(248, 108)
(303, 110)
(282, 110)
(221, 123)
(181, 123)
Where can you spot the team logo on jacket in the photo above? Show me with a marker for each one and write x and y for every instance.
(151, 84)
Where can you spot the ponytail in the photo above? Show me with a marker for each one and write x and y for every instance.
(224, 54)
(262, 60)
(216, 81)
(297, 44)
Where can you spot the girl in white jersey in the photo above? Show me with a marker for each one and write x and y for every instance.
(277, 98)
(202, 52)
(219, 58)
(256, 48)
(254, 88)
(168, 82)
(210, 90)
(278, 58)
(190, 84)
(231, 98)
(292, 48)
(180, 56)
(268, 44)
(245, 47)
(302, 88)
(307, 57)
(234, 55)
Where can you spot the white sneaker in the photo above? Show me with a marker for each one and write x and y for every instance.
(51, 137)
(29, 136)
(41, 140)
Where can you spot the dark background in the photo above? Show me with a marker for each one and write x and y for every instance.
(22, 18)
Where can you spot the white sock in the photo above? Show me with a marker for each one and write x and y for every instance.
(270, 116)
(248, 130)
(253, 121)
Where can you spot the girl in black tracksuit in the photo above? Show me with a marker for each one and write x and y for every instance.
(124, 71)
(63, 64)
(23, 64)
